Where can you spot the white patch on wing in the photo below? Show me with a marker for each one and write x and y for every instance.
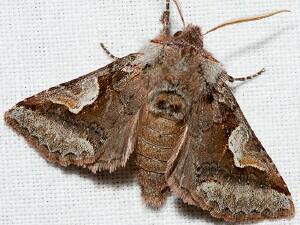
(237, 145)
(76, 100)
(211, 70)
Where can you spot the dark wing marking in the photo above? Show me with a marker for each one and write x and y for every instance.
(89, 121)
(222, 167)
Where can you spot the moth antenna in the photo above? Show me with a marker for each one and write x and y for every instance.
(108, 52)
(250, 77)
(165, 19)
(247, 19)
(179, 10)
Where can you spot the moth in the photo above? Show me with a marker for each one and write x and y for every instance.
(169, 109)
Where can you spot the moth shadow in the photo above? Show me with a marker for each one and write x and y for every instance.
(122, 176)
(197, 214)
(259, 44)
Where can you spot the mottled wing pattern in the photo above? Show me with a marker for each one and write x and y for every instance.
(88, 122)
(222, 167)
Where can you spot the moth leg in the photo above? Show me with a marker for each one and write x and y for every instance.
(165, 19)
(108, 52)
(232, 79)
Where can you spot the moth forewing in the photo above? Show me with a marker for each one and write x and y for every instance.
(88, 122)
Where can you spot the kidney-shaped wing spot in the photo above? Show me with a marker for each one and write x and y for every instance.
(78, 96)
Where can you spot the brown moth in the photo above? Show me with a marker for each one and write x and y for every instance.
(168, 109)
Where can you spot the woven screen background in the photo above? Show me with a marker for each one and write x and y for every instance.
(44, 43)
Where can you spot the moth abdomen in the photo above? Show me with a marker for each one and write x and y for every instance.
(157, 138)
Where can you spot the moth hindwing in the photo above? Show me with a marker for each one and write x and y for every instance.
(169, 110)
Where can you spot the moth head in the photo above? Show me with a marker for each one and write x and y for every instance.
(168, 102)
(191, 35)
